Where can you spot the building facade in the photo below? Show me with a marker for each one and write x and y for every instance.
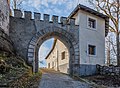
(83, 32)
(58, 57)
(91, 41)
(92, 32)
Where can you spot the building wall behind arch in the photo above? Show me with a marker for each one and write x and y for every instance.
(55, 59)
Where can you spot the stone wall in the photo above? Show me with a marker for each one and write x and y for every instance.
(22, 29)
(28, 33)
(6, 44)
(87, 70)
(4, 16)
(108, 70)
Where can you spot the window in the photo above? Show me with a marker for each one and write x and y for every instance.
(48, 65)
(91, 50)
(91, 23)
(63, 55)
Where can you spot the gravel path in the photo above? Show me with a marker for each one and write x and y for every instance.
(53, 79)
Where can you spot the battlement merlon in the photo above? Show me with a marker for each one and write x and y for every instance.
(46, 17)
(55, 19)
(37, 16)
(71, 21)
(63, 20)
(18, 13)
(28, 14)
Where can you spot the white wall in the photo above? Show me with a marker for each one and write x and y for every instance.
(89, 36)
(4, 16)
(63, 65)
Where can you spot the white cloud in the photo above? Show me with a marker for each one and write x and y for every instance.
(57, 7)
(57, 1)
(69, 5)
(45, 49)
(43, 52)
(57, 11)
(36, 3)
(48, 11)
(53, 1)
(45, 3)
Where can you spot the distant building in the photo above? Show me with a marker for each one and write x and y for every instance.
(58, 57)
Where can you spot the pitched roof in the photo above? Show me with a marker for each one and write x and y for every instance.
(89, 10)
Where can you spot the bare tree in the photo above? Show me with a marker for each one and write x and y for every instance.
(111, 8)
(16, 4)
(110, 50)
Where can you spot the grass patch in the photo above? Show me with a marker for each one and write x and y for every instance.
(19, 75)
(28, 80)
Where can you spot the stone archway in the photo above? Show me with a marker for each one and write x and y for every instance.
(67, 38)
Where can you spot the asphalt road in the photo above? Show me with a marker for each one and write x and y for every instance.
(53, 79)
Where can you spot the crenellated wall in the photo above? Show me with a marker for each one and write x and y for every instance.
(46, 17)
(28, 33)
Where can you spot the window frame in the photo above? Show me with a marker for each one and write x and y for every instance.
(62, 55)
(88, 49)
(91, 17)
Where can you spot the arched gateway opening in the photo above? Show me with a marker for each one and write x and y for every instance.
(65, 37)
(54, 55)
(45, 50)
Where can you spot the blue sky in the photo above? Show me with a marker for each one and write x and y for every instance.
(44, 50)
(52, 7)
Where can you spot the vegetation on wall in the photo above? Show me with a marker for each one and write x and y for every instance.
(15, 73)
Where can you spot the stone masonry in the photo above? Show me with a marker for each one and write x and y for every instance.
(4, 16)
(5, 41)
(28, 34)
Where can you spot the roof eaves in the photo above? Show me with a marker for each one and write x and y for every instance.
(87, 9)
